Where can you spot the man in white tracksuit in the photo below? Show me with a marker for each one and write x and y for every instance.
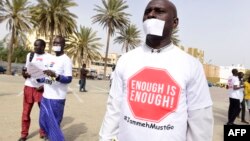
(159, 92)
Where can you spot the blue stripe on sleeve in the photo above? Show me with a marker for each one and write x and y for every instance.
(65, 79)
(40, 80)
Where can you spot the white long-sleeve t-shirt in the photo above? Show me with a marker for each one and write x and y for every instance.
(61, 65)
(158, 96)
(42, 59)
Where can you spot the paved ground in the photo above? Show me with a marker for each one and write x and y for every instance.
(83, 111)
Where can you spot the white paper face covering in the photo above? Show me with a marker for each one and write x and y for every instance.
(56, 48)
(153, 27)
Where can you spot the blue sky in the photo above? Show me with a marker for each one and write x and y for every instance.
(219, 27)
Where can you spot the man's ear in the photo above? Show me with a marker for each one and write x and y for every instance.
(176, 22)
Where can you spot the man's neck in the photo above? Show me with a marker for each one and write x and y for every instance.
(157, 42)
(40, 53)
(59, 53)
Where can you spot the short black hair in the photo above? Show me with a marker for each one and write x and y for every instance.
(43, 43)
(62, 39)
(172, 5)
(234, 71)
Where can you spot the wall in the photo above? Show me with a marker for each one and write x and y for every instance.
(212, 72)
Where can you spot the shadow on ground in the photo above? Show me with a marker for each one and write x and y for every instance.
(220, 114)
(71, 133)
(74, 130)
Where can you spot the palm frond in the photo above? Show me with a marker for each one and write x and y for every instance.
(111, 17)
(83, 46)
(129, 37)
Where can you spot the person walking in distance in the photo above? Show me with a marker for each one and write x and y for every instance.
(58, 76)
(247, 93)
(158, 92)
(83, 76)
(32, 90)
(234, 97)
(242, 98)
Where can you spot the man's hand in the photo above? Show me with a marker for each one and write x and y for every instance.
(25, 73)
(40, 89)
(49, 73)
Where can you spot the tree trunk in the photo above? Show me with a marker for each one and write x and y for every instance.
(10, 51)
(126, 46)
(106, 54)
(80, 63)
(51, 40)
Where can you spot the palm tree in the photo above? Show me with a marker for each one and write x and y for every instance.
(174, 37)
(83, 46)
(129, 36)
(52, 17)
(20, 39)
(17, 15)
(111, 17)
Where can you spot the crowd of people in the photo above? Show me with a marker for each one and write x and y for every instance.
(239, 96)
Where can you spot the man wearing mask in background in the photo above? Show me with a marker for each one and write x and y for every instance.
(59, 75)
(159, 92)
(32, 90)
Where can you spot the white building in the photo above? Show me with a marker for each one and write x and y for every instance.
(99, 65)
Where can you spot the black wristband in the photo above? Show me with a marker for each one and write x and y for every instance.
(58, 78)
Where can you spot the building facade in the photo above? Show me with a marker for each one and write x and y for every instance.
(99, 64)
(197, 53)
(212, 72)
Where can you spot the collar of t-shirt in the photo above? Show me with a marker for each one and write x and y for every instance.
(160, 50)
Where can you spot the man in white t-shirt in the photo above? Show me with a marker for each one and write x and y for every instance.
(234, 94)
(59, 75)
(32, 90)
(158, 92)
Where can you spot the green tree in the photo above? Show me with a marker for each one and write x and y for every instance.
(19, 54)
(111, 17)
(174, 37)
(129, 37)
(17, 15)
(1, 44)
(52, 17)
(3, 54)
(83, 46)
